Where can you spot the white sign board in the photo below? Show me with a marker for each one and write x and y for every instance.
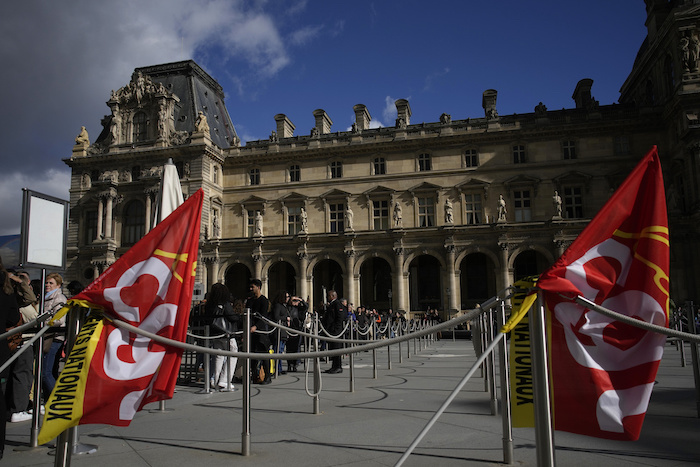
(44, 231)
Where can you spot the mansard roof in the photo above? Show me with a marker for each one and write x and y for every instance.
(197, 92)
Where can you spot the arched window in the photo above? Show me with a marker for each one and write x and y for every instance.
(140, 128)
(133, 226)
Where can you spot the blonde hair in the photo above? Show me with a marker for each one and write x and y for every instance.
(57, 277)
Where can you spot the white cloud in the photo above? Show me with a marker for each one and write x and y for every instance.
(389, 113)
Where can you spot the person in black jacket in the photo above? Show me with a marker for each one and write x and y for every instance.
(9, 316)
(297, 312)
(334, 322)
(260, 341)
(219, 304)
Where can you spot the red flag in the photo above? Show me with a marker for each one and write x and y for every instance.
(602, 370)
(111, 373)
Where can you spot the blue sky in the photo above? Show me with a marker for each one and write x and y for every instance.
(61, 59)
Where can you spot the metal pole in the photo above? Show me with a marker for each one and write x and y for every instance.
(38, 369)
(694, 355)
(544, 434)
(398, 334)
(207, 362)
(245, 419)
(388, 347)
(317, 370)
(374, 351)
(351, 359)
(491, 365)
(506, 416)
(75, 321)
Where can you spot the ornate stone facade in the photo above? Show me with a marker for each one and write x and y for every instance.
(412, 216)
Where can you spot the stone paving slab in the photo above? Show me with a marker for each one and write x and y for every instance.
(373, 425)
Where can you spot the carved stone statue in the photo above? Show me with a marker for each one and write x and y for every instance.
(215, 224)
(398, 216)
(401, 123)
(82, 139)
(501, 209)
(445, 119)
(449, 218)
(349, 218)
(304, 221)
(540, 109)
(258, 224)
(201, 124)
(273, 137)
(315, 133)
(556, 200)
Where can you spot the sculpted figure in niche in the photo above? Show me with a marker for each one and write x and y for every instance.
(685, 53)
(215, 224)
(556, 200)
(501, 209)
(304, 221)
(258, 224)
(349, 218)
(449, 219)
(398, 216)
(694, 52)
(82, 139)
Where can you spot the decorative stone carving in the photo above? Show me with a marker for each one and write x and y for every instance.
(501, 209)
(540, 109)
(401, 123)
(109, 176)
(82, 139)
(349, 215)
(215, 224)
(445, 119)
(201, 125)
(273, 137)
(125, 176)
(398, 215)
(556, 200)
(258, 224)
(85, 181)
(449, 217)
(304, 221)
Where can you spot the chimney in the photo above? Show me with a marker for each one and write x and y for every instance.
(323, 121)
(285, 127)
(362, 117)
(403, 111)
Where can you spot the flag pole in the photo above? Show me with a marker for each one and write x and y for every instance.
(544, 434)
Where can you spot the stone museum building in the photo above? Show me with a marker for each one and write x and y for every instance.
(439, 214)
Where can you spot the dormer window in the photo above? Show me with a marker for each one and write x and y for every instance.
(140, 127)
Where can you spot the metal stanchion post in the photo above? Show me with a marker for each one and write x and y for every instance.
(544, 434)
(492, 366)
(206, 362)
(398, 334)
(694, 355)
(388, 347)
(408, 343)
(317, 371)
(75, 321)
(351, 359)
(245, 419)
(505, 393)
(374, 351)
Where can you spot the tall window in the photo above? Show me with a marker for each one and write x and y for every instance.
(336, 169)
(380, 213)
(519, 156)
(250, 222)
(134, 226)
(254, 175)
(569, 149)
(337, 217)
(140, 127)
(379, 165)
(90, 228)
(522, 203)
(472, 204)
(471, 158)
(294, 173)
(573, 202)
(426, 212)
(424, 162)
(293, 220)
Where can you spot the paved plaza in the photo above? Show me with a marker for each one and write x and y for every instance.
(374, 424)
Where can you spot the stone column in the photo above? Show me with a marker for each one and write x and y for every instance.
(505, 275)
(400, 295)
(257, 259)
(149, 208)
(350, 276)
(100, 215)
(303, 266)
(108, 215)
(451, 283)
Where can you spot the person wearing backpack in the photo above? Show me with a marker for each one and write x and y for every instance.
(223, 321)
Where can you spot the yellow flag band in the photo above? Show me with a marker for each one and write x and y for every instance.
(521, 303)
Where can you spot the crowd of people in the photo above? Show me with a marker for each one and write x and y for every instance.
(224, 314)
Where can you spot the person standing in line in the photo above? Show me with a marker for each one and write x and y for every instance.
(297, 312)
(219, 304)
(53, 301)
(281, 315)
(19, 382)
(9, 315)
(334, 323)
(260, 308)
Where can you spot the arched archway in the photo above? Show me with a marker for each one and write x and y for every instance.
(375, 284)
(236, 279)
(477, 280)
(281, 276)
(425, 290)
(529, 263)
(328, 274)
